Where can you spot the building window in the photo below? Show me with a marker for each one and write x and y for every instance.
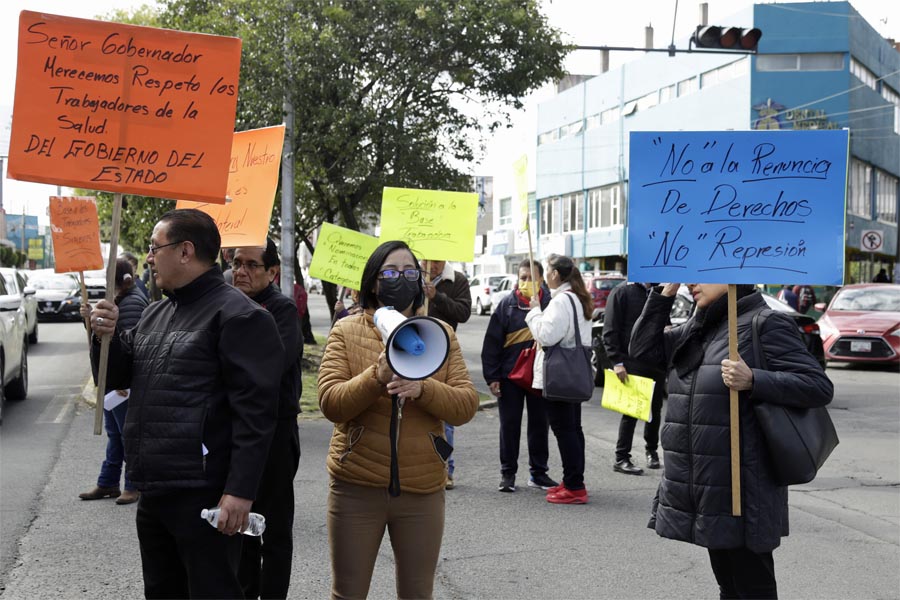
(725, 73)
(592, 122)
(886, 197)
(571, 129)
(573, 213)
(550, 217)
(687, 86)
(863, 74)
(860, 189)
(668, 93)
(815, 61)
(894, 98)
(548, 137)
(505, 212)
(594, 208)
(609, 115)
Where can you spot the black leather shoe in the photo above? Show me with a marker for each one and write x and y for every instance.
(625, 466)
(652, 460)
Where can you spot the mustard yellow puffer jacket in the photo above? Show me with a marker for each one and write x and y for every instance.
(352, 398)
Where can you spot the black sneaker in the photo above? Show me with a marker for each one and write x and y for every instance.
(626, 466)
(507, 483)
(541, 481)
(652, 460)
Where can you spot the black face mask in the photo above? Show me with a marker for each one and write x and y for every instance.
(399, 293)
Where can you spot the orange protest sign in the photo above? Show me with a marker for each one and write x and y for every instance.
(76, 233)
(125, 109)
(252, 181)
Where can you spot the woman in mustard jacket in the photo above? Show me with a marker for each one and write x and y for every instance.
(355, 389)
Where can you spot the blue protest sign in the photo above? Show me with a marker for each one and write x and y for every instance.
(737, 206)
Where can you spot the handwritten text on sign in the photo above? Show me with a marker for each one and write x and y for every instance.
(341, 255)
(76, 234)
(632, 398)
(252, 179)
(437, 225)
(120, 108)
(737, 206)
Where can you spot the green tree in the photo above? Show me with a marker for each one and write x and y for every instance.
(385, 92)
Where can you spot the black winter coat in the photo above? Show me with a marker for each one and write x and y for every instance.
(507, 335)
(203, 366)
(693, 503)
(284, 311)
(131, 307)
(623, 307)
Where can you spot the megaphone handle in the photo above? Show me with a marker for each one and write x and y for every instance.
(394, 485)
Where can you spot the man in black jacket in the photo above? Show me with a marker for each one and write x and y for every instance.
(449, 300)
(623, 307)
(266, 563)
(203, 367)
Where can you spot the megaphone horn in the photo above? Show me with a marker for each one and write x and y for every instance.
(416, 347)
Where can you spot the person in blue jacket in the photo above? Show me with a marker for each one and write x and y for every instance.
(507, 335)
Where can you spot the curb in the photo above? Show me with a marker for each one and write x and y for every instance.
(89, 393)
(487, 405)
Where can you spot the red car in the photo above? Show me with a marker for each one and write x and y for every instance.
(862, 324)
(600, 285)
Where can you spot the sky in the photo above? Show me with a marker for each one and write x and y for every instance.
(583, 22)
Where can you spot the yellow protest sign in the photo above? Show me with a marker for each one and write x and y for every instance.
(341, 255)
(520, 175)
(252, 182)
(437, 225)
(632, 398)
(36, 249)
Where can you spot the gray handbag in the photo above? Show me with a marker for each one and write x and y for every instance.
(568, 376)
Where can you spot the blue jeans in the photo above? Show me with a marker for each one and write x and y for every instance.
(111, 469)
(448, 434)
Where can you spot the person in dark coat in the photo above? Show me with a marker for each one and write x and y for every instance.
(693, 502)
(265, 570)
(131, 303)
(506, 336)
(204, 368)
(623, 307)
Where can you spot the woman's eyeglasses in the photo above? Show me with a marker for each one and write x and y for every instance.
(409, 274)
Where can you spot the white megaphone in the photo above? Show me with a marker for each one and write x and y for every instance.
(416, 347)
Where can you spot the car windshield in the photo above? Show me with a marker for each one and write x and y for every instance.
(495, 281)
(607, 284)
(55, 283)
(870, 299)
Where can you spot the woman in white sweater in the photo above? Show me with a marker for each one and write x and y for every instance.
(556, 325)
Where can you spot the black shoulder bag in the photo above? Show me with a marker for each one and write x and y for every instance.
(799, 439)
(568, 376)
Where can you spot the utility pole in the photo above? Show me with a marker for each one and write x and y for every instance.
(288, 247)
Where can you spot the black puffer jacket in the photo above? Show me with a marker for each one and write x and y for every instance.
(693, 503)
(204, 367)
(284, 312)
(131, 307)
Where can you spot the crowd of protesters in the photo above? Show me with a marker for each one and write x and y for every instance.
(209, 380)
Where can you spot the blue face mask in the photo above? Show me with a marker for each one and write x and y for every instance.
(400, 293)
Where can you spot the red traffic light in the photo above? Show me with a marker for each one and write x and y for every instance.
(727, 38)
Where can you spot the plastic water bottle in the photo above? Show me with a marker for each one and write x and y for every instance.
(256, 527)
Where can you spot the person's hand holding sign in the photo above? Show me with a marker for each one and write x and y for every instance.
(737, 375)
(430, 290)
(104, 317)
(670, 289)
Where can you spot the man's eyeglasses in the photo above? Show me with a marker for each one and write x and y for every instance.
(238, 264)
(154, 249)
(409, 274)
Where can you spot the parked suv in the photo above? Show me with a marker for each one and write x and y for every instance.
(13, 347)
(17, 284)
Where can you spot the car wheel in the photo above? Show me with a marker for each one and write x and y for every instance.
(33, 336)
(479, 308)
(18, 387)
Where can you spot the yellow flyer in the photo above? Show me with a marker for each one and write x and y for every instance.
(632, 398)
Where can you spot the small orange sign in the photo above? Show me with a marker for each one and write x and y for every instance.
(114, 107)
(252, 181)
(76, 233)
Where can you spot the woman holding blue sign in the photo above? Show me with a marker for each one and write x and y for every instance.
(693, 503)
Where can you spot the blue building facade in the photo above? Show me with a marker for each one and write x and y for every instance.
(839, 72)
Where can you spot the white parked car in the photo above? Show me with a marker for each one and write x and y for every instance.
(13, 347)
(482, 290)
(17, 283)
(506, 287)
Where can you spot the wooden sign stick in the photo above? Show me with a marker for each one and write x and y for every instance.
(84, 302)
(110, 295)
(735, 422)
(427, 280)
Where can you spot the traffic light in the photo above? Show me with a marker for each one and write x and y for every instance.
(727, 38)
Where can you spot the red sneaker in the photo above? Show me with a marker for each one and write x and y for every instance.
(567, 496)
(556, 489)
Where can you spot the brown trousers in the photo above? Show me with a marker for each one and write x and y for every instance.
(357, 517)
